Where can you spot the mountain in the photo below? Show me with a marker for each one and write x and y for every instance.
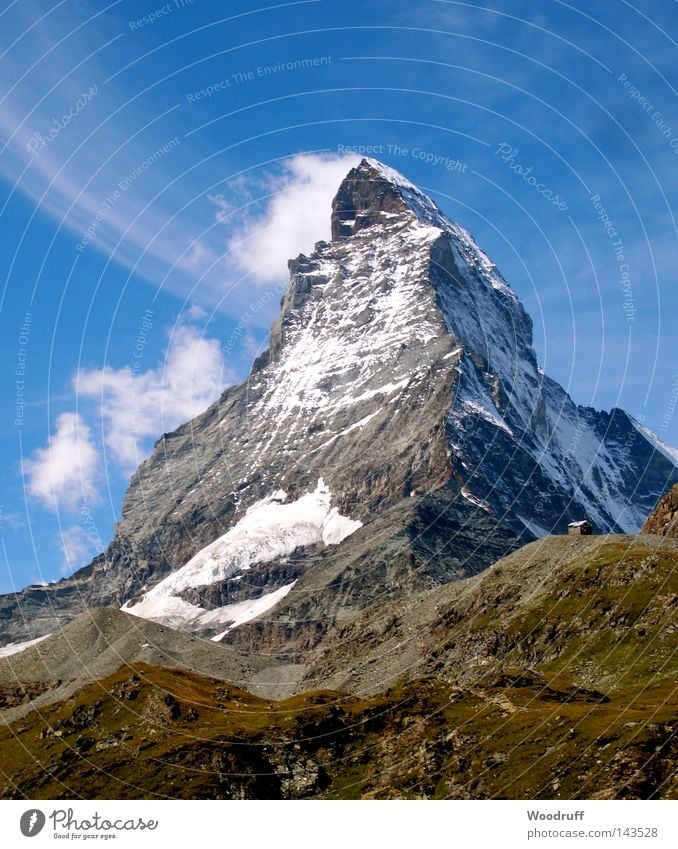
(397, 435)
(551, 675)
(664, 518)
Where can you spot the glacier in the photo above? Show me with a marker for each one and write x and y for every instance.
(270, 528)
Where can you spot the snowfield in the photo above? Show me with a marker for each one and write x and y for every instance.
(15, 648)
(270, 528)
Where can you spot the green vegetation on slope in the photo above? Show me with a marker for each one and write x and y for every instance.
(551, 675)
(155, 732)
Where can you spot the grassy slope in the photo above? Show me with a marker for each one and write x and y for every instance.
(169, 733)
(600, 611)
(552, 675)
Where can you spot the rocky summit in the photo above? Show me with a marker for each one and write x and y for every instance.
(397, 435)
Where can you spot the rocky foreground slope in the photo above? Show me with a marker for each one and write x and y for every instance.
(147, 732)
(550, 675)
(397, 435)
(664, 518)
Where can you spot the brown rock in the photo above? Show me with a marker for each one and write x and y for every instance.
(663, 519)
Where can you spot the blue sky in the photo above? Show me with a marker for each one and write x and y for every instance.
(160, 162)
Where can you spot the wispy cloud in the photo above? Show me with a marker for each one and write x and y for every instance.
(91, 158)
(130, 187)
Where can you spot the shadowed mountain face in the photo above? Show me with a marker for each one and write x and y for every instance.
(397, 435)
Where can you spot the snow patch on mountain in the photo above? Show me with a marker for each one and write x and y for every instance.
(489, 413)
(270, 528)
(478, 502)
(15, 648)
(244, 611)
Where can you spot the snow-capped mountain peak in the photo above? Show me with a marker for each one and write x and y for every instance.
(401, 374)
(570, 458)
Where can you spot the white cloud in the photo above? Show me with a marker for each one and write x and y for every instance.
(297, 216)
(64, 473)
(138, 406)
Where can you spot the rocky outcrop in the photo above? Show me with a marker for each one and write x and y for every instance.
(13, 695)
(365, 198)
(664, 518)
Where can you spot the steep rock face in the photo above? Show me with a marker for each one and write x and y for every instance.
(400, 375)
(664, 518)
